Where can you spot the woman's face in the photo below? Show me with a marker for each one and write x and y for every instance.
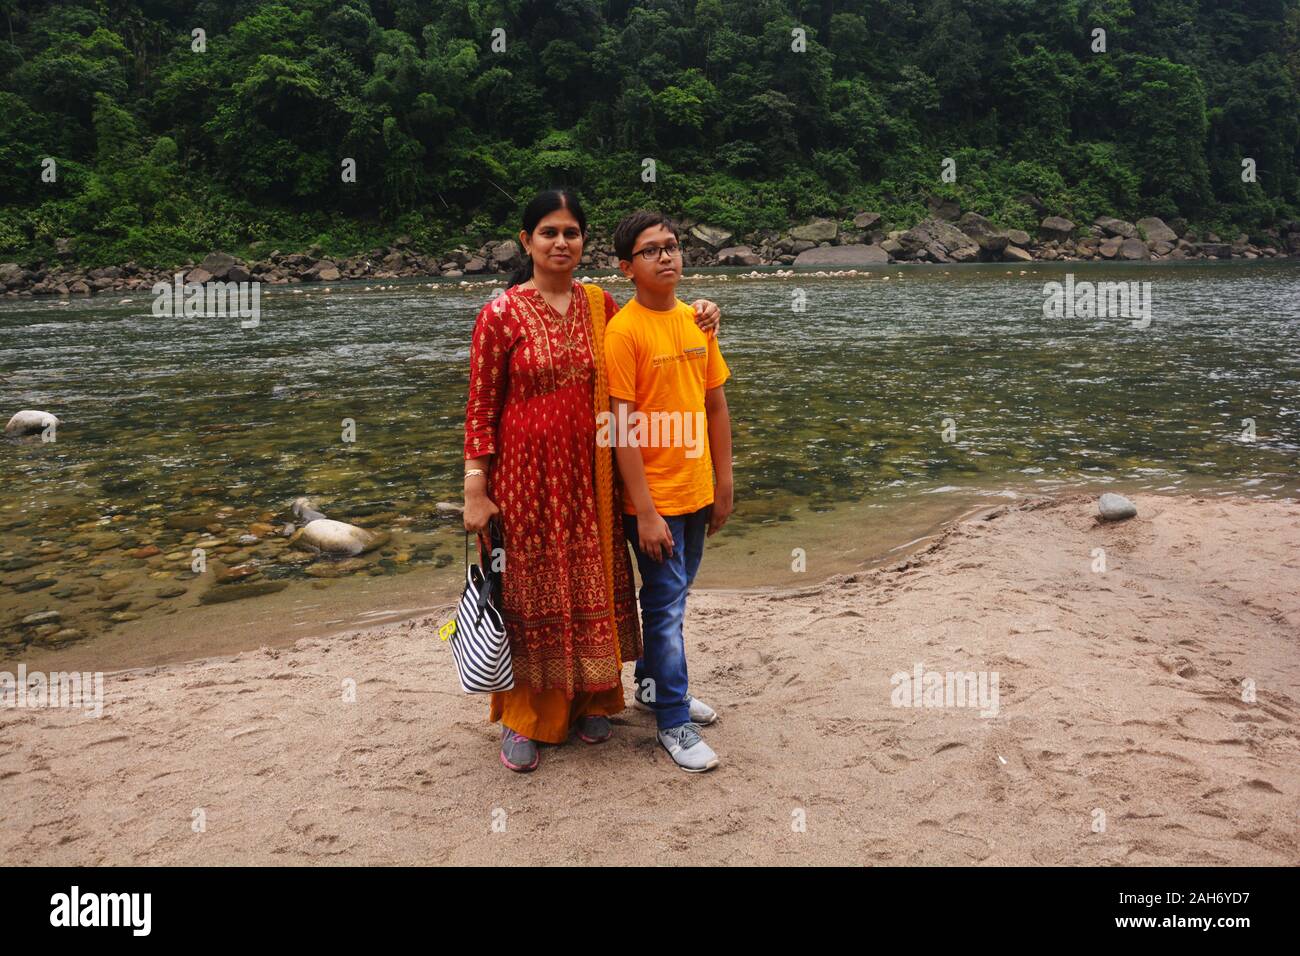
(556, 243)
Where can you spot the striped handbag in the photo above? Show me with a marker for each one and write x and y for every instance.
(478, 641)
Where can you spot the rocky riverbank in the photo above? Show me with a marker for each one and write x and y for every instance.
(948, 235)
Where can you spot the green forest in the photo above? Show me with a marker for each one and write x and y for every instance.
(166, 144)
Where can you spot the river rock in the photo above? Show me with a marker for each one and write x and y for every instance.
(843, 257)
(1134, 249)
(506, 255)
(1113, 507)
(1016, 254)
(323, 271)
(937, 238)
(819, 230)
(41, 617)
(990, 239)
(866, 220)
(1116, 227)
(35, 584)
(1156, 230)
(217, 265)
(11, 275)
(738, 256)
(319, 533)
(715, 237)
(1109, 247)
(30, 421)
(1056, 227)
(221, 593)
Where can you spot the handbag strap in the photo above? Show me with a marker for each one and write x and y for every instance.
(495, 534)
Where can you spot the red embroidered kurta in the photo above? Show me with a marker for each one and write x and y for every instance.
(532, 376)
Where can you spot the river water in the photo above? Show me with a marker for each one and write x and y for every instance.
(865, 412)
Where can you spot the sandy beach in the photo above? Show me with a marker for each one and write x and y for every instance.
(1145, 714)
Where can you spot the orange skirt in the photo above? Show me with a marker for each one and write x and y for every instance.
(549, 715)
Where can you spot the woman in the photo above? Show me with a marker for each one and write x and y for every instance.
(531, 460)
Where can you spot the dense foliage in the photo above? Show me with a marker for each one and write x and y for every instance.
(163, 152)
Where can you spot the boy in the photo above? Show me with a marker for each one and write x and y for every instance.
(673, 438)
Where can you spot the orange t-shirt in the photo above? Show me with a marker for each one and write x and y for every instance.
(663, 363)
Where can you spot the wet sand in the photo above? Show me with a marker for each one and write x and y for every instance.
(1121, 734)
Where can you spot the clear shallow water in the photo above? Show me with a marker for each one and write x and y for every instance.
(188, 431)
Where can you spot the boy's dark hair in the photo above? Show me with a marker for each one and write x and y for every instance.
(633, 225)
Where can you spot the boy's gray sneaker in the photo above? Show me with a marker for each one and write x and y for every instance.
(517, 751)
(687, 749)
(701, 713)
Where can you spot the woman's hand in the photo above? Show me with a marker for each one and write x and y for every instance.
(653, 534)
(479, 510)
(707, 315)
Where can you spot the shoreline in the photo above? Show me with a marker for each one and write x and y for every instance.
(236, 626)
(1120, 691)
(945, 238)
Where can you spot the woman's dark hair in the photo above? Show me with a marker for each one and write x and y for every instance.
(543, 204)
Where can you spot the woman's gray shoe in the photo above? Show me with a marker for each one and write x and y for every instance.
(594, 729)
(517, 751)
(688, 749)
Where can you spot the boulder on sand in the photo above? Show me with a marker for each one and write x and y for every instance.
(1113, 507)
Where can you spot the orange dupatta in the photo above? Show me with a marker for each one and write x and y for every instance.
(604, 468)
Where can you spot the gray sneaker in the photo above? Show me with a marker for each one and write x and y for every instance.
(594, 729)
(688, 749)
(517, 751)
(701, 713)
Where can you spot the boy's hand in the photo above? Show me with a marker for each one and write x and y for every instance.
(707, 315)
(722, 508)
(654, 536)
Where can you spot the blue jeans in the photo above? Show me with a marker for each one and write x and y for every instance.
(663, 608)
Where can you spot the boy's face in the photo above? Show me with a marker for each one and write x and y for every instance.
(661, 272)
